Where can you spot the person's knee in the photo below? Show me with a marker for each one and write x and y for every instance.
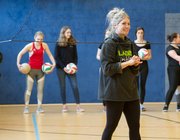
(134, 126)
(28, 92)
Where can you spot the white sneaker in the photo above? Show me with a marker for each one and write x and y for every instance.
(142, 108)
(65, 110)
(104, 109)
(26, 110)
(78, 109)
(39, 110)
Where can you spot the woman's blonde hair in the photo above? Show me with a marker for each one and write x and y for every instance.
(39, 33)
(111, 14)
(115, 16)
(62, 41)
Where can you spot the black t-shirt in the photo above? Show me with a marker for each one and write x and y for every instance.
(146, 46)
(171, 61)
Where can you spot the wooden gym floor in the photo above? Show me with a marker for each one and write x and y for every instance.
(54, 125)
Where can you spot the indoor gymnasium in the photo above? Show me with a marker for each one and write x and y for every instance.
(89, 69)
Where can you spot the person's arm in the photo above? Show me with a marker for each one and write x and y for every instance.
(134, 61)
(98, 54)
(47, 50)
(174, 55)
(27, 48)
(149, 51)
(111, 67)
(135, 67)
(149, 54)
(109, 63)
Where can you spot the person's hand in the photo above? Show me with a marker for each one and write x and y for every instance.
(146, 57)
(66, 70)
(19, 66)
(52, 68)
(135, 61)
(131, 62)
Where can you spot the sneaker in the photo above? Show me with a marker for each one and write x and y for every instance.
(65, 109)
(178, 108)
(78, 109)
(26, 110)
(104, 109)
(142, 108)
(39, 110)
(165, 108)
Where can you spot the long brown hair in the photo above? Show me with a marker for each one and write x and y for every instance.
(115, 16)
(62, 41)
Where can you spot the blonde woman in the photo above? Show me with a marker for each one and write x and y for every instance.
(36, 51)
(117, 84)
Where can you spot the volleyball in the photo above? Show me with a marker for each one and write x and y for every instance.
(46, 67)
(71, 68)
(142, 53)
(25, 68)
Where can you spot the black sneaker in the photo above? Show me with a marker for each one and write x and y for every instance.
(165, 108)
(178, 108)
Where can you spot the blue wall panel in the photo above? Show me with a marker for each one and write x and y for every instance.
(20, 19)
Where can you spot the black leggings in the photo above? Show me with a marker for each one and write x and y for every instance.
(141, 80)
(131, 111)
(174, 81)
